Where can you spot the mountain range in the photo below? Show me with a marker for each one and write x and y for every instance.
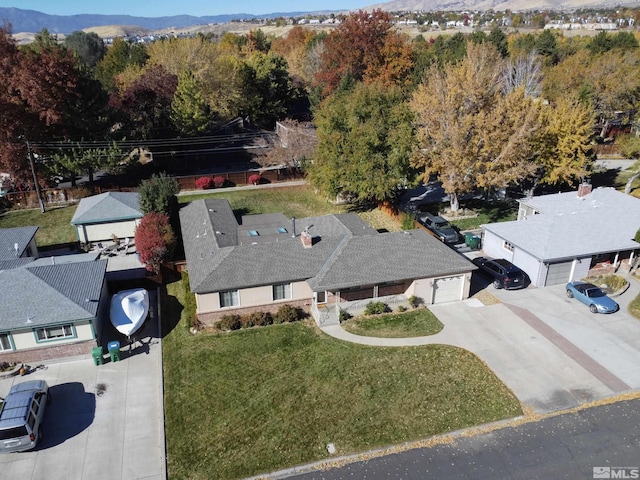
(33, 21)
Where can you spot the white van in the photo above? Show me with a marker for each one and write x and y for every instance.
(21, 416)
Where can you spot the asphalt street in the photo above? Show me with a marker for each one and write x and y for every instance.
(599, 442)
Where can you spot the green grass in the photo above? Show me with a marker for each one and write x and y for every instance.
(268, 398)
(292, 201)
(634, 306)
(413, 323)
(54, 225)
(488, 212)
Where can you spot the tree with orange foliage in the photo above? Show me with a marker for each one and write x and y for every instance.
(365, 47)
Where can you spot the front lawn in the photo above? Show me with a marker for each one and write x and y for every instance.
(263, 399)
(413, 323)
(54, 224)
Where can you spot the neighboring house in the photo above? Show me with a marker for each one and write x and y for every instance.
(100, 217)
(324, 263)
(50, 310)
(17, 246)
(561, 237)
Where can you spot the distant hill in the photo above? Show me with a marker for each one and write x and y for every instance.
(32, 21)
(513, 5)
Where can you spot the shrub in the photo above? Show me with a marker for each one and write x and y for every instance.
(219, 182)
(376, 308)
(343, 316)
(286, 314)
(158, 194)
(204, 183)
(402, 308)
(413, 301)
(255, 179)
(408, 222)
(257, 319)
(229, 322)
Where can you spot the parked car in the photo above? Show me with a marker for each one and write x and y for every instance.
(440, 227)
(592, 296)
(504, 273)
(21, 416)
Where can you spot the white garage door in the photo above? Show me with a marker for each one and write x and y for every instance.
(558, 273)
(448, 289)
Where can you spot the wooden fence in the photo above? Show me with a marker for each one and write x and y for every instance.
(65, 196)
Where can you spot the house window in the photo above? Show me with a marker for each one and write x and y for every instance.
(282, 291)
(507, 246)
(230, 298)
(54, 333)
(5, 343)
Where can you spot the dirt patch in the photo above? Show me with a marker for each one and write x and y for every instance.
(487, 298)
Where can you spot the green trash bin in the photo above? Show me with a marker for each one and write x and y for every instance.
(468, 238)
(96, 353)
(474, 242)
(114, 350)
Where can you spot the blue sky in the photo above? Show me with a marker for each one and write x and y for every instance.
(161, 8)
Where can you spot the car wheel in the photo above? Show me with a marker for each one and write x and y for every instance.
(497, 285)
(569, 293)
(593, 308)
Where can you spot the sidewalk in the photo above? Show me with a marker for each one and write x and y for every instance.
(292, 183)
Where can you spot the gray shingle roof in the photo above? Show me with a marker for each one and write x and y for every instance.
(346, 252)
(389, 257)
(107, 207)
(51, 294)
(15, 263)
(10, 236)
(605, 220)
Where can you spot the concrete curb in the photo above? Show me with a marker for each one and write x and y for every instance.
(163, 467)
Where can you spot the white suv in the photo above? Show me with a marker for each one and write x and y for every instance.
(21, 416)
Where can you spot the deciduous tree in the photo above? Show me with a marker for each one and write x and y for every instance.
(155, 240)
(364, 141)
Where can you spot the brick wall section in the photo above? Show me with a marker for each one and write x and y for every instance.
(211, 318)
(42, 354)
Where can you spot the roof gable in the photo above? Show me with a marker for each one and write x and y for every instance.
(108, 207)
(10, 237)
(51, 294)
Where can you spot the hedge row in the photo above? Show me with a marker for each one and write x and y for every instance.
(285, 314)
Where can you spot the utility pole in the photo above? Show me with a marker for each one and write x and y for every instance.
(35, 178)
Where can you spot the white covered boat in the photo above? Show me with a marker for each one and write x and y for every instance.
(129, 309)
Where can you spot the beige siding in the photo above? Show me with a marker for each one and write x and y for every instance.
(24, 339)
(423, 288)
(105, 231)
(252, 297)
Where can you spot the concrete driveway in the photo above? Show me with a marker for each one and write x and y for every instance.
(548, 349)
(551, 351)
(104, 422)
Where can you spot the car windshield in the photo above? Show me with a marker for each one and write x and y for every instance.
(594, 293)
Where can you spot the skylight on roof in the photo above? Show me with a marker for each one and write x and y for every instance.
(282, 230)
(253, 233)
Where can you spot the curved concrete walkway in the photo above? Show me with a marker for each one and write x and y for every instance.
(548, 349)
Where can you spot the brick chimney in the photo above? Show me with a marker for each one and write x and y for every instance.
(307, 241)
(584, 189)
